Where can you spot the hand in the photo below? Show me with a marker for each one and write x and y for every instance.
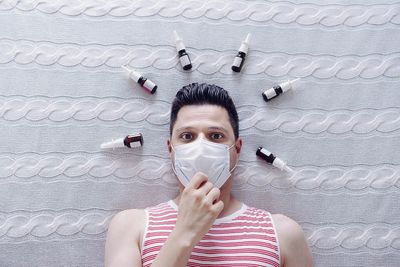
(199, 206)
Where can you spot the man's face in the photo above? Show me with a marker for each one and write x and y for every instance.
(210, 122)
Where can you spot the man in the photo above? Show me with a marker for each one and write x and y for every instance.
(204, 225)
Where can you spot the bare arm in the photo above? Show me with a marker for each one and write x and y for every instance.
(293, 245)
(122, 244)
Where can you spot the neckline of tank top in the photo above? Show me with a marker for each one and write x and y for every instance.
(227, 218)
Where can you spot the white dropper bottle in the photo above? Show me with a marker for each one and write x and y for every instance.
(241, 55)
(144, 82)
(271, 159)
(131, 141)
(182, 54)
(279, 89)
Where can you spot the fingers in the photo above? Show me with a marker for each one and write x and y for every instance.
(197, 180)
(218, 207)
(205, 188)
(213, 195)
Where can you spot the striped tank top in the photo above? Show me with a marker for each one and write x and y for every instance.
(246, 238)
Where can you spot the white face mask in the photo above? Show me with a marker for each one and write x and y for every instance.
(201, 155)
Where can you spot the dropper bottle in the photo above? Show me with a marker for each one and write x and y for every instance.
(271, 159)
(131, 141)
(241, 55)
(278, 89)
(144, 82)
(183, 56)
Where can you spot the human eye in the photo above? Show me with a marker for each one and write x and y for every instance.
(216, 136)
(186, 136)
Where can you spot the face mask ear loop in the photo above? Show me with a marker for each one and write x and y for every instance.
(234, 167)
(173, 161)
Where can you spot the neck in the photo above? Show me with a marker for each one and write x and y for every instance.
(231, 204)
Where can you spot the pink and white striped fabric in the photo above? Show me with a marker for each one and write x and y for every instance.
(246, 238)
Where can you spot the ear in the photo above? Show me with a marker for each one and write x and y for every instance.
(169, 146)
(238, 145)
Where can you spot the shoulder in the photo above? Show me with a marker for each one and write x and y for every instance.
(293, 244)
(287, 227)
(124, 215)
(122, 246)
(126, 228)
(131, 221)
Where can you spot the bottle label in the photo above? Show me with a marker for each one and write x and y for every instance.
(184, 60)
(265, 152)
(237, 61)
(270, 93)
(266, 155)
(149, 85)
(135, 144)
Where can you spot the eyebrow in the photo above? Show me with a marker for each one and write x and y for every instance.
(209, 128)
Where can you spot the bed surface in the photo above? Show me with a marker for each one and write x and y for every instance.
(63, 93)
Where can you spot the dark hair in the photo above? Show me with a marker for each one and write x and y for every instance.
(199, 94)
